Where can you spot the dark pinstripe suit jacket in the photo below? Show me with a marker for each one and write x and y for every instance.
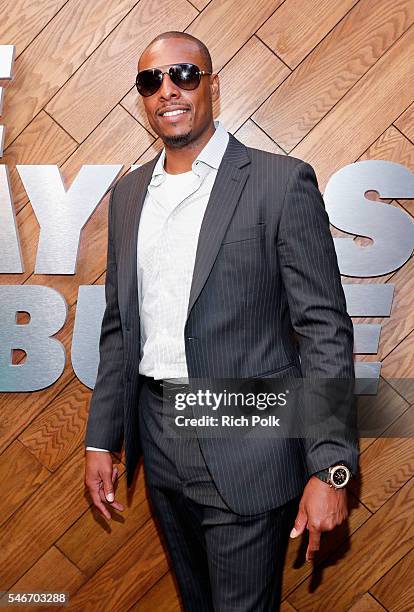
(265, 266)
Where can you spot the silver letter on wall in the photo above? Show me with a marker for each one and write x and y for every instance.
(86, 333)
(10, 252)
(45, 356)
(62, 214)
(391, 228)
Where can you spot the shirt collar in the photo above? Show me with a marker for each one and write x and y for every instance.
(209, 157)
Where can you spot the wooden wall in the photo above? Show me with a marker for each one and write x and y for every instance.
(336, 86)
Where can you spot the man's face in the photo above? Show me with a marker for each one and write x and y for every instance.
(186, 127)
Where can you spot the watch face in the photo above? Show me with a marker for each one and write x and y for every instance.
(339, 476)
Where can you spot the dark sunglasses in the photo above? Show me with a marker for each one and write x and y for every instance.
(185, 76)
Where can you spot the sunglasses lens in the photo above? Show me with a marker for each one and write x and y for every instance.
(148, 81)
(186, 76)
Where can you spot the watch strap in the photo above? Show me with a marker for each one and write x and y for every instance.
(323, 475)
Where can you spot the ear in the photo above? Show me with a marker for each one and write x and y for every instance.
(214, 87)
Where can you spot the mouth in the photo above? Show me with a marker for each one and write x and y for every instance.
(174, 116)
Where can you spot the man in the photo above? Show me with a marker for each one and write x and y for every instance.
(217, 253)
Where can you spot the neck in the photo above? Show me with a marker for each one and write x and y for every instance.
(181, 159)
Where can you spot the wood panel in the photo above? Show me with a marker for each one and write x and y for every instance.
(119, 578)
(405, 122)
(326, 81)
(36, 525)
(54, 55)
(294, 30)
(379, 97)
(367, 603)
(28, 474)
(52, 572)
(326, 75)
(395, 590)
(22, 20)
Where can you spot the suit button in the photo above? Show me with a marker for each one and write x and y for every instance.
(191, 338)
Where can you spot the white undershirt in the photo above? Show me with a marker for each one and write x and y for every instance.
(167, 244)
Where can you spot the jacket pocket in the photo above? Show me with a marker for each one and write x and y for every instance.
(244, 233)
(279, 371)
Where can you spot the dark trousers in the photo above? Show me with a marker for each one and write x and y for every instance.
(222, 561)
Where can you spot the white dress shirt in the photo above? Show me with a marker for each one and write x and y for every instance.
(168, 233)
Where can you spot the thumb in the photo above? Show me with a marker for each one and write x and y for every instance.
(300, 523)
(108, 487)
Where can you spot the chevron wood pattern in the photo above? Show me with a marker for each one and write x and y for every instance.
(328, 81)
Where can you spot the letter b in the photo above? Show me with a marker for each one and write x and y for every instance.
(45, 356)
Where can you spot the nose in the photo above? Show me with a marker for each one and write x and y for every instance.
(168, 88)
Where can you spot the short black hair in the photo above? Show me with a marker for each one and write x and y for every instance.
(205, 53)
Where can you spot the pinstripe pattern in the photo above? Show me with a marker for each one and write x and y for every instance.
(265, 265)
(222, 560)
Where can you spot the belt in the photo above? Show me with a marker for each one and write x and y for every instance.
(161, 387)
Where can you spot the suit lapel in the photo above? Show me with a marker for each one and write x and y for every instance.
(225, 194)
(132, 217)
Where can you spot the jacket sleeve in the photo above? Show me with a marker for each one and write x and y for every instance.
(105, 423)
(317, 306)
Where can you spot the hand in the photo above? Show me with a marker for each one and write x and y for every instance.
(321, 508)
(99, 479)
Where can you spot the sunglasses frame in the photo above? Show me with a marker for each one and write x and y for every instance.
(159, 70)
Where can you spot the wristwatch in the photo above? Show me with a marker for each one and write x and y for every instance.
(337, 476)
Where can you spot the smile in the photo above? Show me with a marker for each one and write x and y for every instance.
(172, 116)
(175, 112)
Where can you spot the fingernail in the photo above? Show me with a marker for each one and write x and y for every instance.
(110, 497)
(293, 533)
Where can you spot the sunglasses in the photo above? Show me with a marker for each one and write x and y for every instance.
(185, 76)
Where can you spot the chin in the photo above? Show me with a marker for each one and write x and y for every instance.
(177, 140)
